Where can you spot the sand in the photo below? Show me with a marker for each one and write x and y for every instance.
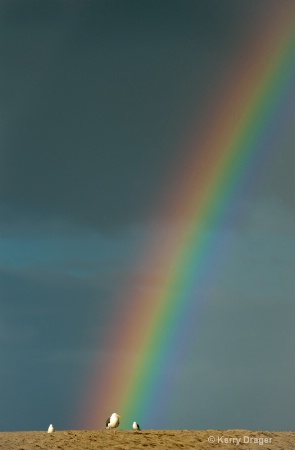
(150, 439)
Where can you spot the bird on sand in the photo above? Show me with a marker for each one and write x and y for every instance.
(113, 421)
(136, 427)
(51, 428)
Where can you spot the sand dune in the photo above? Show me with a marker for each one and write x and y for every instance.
(156, 439)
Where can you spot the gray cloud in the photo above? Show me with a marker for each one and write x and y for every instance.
(95, 103)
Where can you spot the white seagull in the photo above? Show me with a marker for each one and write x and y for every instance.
(136, 427)
(113, 421)
(51, 428)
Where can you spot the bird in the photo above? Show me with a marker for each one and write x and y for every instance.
(136, 427)
(113, 421)
(51, 428)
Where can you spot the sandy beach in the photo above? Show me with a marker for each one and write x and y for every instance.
(156, 439)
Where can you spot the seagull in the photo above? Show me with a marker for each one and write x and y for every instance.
(113, 421)
(51, 428)
(136, 427)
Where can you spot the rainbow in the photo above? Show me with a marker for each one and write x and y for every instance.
(234, 143)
